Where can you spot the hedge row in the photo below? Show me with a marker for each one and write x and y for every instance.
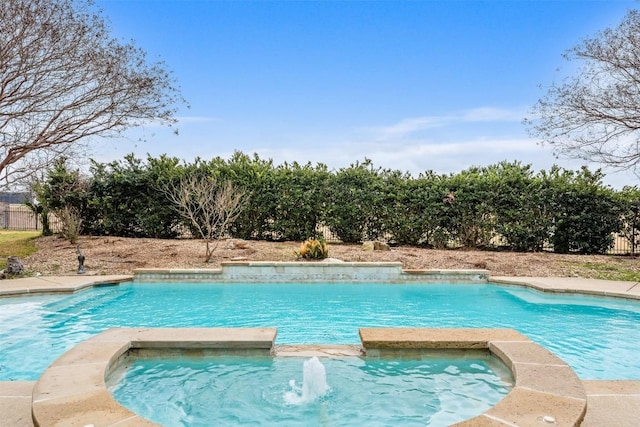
(507, 204)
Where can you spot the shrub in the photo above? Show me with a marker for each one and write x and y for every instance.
(586, 214)
(313, 249)
(355, 205)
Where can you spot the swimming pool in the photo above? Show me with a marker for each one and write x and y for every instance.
(598, 337)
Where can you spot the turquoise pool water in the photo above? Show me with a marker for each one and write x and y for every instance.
(226, 391)
(598, 337)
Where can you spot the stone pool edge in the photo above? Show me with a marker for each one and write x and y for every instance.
(266, 271)
(546, 390)
(73, 390)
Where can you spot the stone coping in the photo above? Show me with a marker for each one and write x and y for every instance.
(57, 284)
(547, 391)
(575, 285)
(319, 272)
(73, 391)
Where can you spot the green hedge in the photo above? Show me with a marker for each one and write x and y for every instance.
(505, 205)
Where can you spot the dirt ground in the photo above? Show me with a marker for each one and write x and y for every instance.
(117, 255)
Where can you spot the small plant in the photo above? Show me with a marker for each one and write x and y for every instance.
(313, 249)
(71, 223)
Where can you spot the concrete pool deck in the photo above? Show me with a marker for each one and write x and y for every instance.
(608, 403)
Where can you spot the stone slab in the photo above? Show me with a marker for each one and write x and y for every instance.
(612, 403)
(56, 284)
(432, 338)
(15, 403)
(523, 407)
(610, 288)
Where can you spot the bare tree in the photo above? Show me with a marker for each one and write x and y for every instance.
(209, 206)
(64, 80)
(595, 114)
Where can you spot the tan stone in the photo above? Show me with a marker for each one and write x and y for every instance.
(89, 407)
(528, 352)
(554, 379)
(524, 407)
(15, 403)
(612, 403)
(473, 338)
(381, 246)
(482, 421)
(368, 246)
(612, 387)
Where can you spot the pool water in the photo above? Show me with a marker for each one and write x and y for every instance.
(256, 391)
(598, 337)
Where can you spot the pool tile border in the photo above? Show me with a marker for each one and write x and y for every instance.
(73, 390)
(306, 271)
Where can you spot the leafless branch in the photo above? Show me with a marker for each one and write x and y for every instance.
(208, 205)
(64, 80)
(595, 115)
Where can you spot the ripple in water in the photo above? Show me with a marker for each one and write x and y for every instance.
(352, 391)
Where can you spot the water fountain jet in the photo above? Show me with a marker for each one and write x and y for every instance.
(314, 384)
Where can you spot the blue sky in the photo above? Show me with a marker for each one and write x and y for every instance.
(412, 85)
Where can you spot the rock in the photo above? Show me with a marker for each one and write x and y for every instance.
(368, 246)
(381, 246)
(14, 266)
(375, 246)
(236, 244)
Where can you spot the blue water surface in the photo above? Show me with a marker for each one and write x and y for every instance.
(598, 337)
(258, 391)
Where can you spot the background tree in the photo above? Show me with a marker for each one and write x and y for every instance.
(123, 199)
(595, 115)
(64, 193)
(208, 205)
(64, 80)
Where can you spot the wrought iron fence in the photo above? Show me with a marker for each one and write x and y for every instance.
(621, 245)
(19, 217)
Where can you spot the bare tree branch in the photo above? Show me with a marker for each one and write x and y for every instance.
(595, 115)
(207, 205)
(64, 80)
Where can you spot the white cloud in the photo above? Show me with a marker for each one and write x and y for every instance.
(490, 114)
(444, 144)
(411, 125)
(440, 157)
(414, 157)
